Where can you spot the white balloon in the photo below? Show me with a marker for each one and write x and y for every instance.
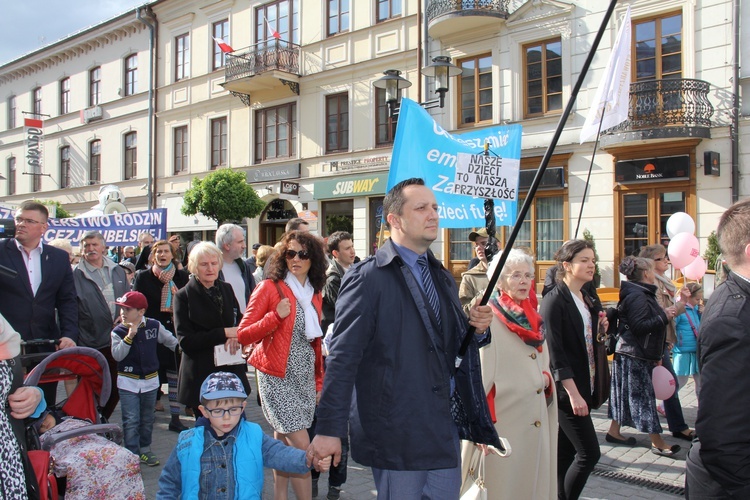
(680, 222)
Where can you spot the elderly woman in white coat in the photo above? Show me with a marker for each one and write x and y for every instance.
(520, 390)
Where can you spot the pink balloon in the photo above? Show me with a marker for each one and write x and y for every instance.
(695, 270)
(683, 249)
(664, 383)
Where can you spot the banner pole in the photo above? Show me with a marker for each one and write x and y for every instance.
(538, 177)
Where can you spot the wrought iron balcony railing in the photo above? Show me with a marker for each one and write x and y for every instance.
(261, 57)
(664, 103)
(437, 8)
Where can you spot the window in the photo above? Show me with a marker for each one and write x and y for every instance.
(12, 175)
(181, 149)
(12, 112)
(64, 96)
(543, 63)
(65, 167)
(475, 90)
(95, 162)
(337, 122)
(36, 101)
(542, 229)
(338, 16)
(131, 155)
(282, 16)
(218, 142)
(276, 132)
(181, 57)
(385, 126)
(95, 86)
(131, 74)
(220, 32)
(388, 9)
(658, 48)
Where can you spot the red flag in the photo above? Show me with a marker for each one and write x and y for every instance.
(273, 32)
(225, 48)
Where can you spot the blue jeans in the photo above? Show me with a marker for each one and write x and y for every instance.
(137, 419)
(672, 406)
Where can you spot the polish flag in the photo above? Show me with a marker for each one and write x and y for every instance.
(225, 48)
(273, 32)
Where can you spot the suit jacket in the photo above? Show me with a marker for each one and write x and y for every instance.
(387, 344)
(33, 316)
(565, 336)
(200, 327)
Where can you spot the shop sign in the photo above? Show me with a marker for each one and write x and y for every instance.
(351, 187)
(262, 174)
(359, 163)
(653, 170)
(289, 189)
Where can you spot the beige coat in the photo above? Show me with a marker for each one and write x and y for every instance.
(473, 284)
(523, 418)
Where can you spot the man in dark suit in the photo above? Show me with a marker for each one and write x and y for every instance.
(398, 328)
(43, 285)
(40, 301)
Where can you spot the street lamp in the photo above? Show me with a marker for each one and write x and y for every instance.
(392, 82)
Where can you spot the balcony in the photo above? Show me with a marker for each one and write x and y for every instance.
(664, 109)
(264, 66)
(449, 17)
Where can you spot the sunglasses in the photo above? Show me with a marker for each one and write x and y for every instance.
(302, 254)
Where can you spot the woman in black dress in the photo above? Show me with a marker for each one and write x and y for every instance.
(571, 321)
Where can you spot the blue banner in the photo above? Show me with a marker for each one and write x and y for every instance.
(422, 148)
(118, 229)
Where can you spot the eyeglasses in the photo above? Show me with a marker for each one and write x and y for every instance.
(28, 222)
(302, 254)
(220, 412)
(520, 276)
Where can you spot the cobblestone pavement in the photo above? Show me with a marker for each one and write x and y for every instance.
(622, 472)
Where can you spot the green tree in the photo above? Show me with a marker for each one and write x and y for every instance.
(713, 250)
(223, 196)
(61, 213)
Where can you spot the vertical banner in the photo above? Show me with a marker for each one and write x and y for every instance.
(33, 133)
(454, 168)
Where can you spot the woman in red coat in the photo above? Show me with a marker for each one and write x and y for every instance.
(283, 318)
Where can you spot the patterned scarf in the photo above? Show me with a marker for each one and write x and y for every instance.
(168, 288)
(522, 319)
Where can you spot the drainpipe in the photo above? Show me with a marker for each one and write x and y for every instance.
(151, 111)
(734, 135)
(423, 45)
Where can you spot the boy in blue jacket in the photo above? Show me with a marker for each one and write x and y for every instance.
(205, 464)
(134, 344)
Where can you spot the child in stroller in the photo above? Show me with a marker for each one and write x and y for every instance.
(95, 467)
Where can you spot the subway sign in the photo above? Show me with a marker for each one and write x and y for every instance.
(351, 186)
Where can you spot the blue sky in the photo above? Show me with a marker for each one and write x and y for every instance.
(29, 25)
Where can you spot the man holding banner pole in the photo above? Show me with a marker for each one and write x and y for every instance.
(397, 329)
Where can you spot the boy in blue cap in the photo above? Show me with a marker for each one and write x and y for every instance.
(205, 464)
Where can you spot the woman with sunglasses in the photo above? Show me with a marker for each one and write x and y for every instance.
(283, 319)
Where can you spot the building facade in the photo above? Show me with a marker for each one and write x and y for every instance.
(294, 107)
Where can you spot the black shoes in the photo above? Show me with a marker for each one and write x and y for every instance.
(666, 452)
(177, 426)
(627, 441)
(334, 492)
(686, 437)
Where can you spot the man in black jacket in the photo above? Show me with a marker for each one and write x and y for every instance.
(398, 328)
(341, 248)
(230, 238)
(718, 465)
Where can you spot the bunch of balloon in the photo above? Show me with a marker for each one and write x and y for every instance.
(684, 249)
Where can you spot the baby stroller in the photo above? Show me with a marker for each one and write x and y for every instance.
(89, 369)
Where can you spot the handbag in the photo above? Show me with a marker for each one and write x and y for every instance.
(602, 376)
(475, 479)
